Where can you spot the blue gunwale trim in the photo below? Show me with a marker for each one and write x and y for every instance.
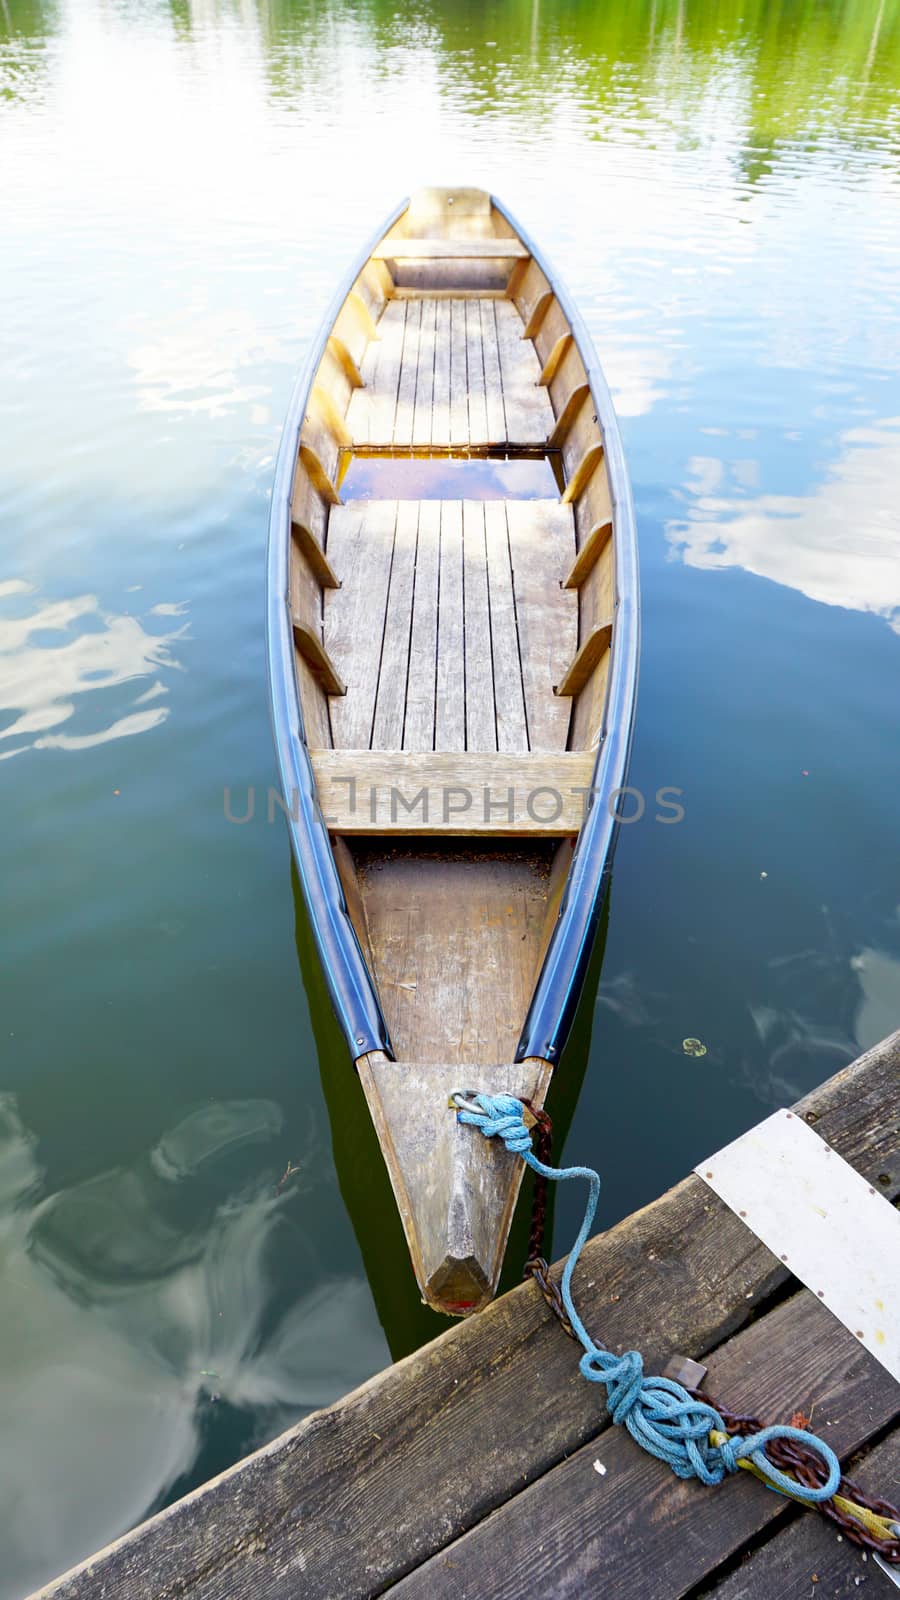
(565, 964)
(349, 981)
(562, 974)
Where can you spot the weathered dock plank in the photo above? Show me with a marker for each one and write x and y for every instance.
(361, 1494)
(810, 1558)
(637, 1529)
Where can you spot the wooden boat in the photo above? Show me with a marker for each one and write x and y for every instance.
(452, 677)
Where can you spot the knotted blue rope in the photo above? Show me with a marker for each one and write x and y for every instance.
(659, 1413)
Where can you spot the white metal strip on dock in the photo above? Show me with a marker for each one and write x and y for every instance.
(834, 1231)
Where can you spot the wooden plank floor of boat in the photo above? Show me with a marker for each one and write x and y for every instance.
(451, 627)
(450, 631)
(450, 372)
(470, 936)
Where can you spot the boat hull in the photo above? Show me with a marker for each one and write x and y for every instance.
(453, 678)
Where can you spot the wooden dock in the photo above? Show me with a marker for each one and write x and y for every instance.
(484, 1465)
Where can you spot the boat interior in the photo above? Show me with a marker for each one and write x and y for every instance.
(452, 590)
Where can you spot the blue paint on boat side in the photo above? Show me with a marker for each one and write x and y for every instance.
(565, 964)
(349, 981)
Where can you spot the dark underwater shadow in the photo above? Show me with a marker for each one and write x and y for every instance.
(361, 1172)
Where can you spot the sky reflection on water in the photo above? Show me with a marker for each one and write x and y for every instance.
(839, 545)
(68, 648)
(181, 183)
(138, 1301)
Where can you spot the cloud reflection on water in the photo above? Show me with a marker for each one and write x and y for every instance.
(879, 978)
(839, 545)
(88, 649)
(200, 367)
(136, 1301)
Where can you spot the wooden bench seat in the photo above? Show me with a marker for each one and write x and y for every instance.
(399, 249)
(400, 792)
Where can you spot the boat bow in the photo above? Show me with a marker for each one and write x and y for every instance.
(455, 1193)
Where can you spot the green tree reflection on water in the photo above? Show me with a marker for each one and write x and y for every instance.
(808, 69)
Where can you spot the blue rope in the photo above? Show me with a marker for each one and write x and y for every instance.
(658, 1413)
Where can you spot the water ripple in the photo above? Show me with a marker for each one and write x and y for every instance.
(67, 649)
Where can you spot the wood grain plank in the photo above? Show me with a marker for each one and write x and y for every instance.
(314, 555)
(591, 550)
(328, 399)
(440, 423)
(422, 421)
(529, 414)
(533, 282)
(318, 476)
(361, 1493)
(590, 651)
(586, 467)
(520, 794)
(478, 422)
(481, 722)
(382, 392)
(450, 707)
(566, 419)
(509, 692)
(400, 249)
(418, 728)
(361, 542)
(538, 312)
(409, 372)
(373, 286)
(459, 381)
(363, 312)
(404, 291)
(390, 700)
(557, 351)
(630, 1531)
(309, 643)
(359, 410)
(436, 212)
(435, 918)
(555, 327)
(493, 381)
(542, 547)
(455, 1201)
(344, 355)
(517, 273)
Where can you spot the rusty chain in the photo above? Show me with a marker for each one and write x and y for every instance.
(809, 1469)
(786, 1454)
(536, 1264)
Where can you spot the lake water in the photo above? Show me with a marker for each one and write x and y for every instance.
(180, 184)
